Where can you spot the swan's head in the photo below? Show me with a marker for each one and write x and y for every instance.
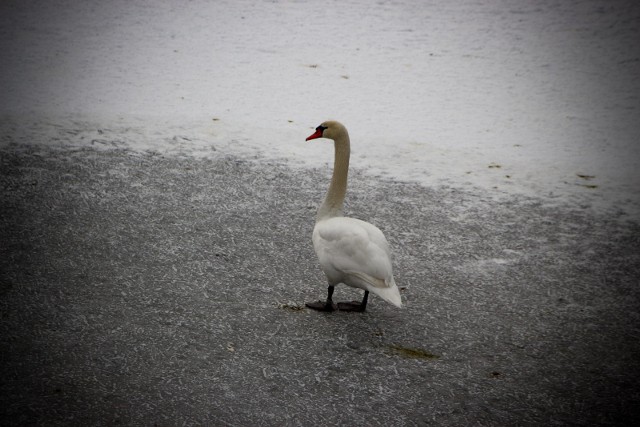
(329, 129)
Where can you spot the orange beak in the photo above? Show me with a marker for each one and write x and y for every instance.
(317, 134)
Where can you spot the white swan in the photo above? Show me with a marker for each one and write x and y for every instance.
(350, 251)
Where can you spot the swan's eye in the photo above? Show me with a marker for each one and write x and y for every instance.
(321, 128)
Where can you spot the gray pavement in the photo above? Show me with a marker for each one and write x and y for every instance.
(137, 289)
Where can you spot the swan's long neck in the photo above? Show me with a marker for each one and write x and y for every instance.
(334, 200)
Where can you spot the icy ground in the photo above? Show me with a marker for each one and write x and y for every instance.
(536, 98)
(131, 294)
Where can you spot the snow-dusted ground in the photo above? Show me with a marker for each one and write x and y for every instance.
(537, 98)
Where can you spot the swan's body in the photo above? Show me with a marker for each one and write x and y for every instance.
(350, 251)
(355, 253)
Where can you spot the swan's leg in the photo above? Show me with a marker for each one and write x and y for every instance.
(327, 305)
(355, 305)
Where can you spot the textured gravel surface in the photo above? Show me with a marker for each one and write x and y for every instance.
(137, 289)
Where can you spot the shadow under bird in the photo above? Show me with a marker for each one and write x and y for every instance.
(350, 251)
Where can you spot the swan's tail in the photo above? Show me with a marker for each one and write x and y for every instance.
(390, 294)
(385, 289)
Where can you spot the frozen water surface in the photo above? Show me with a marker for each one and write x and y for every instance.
(537, 99)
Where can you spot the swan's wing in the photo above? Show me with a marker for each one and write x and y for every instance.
(355, 247)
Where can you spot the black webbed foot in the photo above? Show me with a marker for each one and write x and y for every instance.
(355, 305)
(351, 306)
(321, 306)
(327, 305)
